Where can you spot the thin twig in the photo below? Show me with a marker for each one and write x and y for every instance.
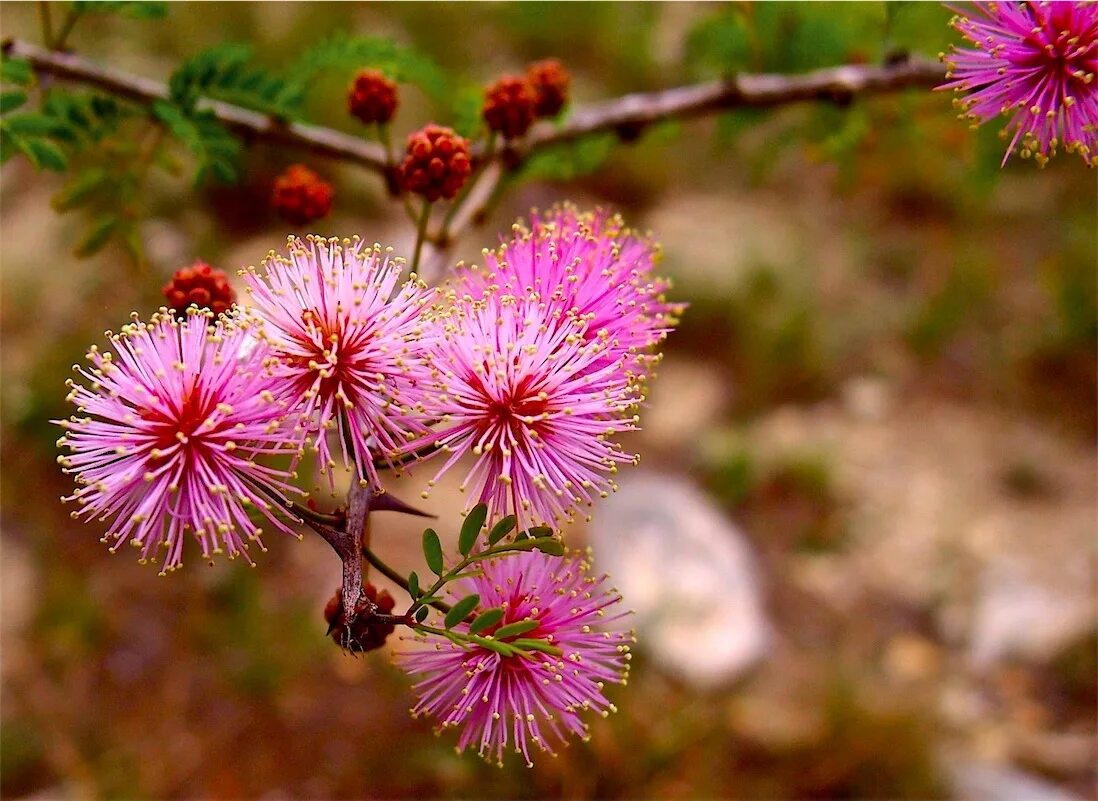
(396, 578)
(45, 22)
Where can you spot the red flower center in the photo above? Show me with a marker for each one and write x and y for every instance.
(179, 428)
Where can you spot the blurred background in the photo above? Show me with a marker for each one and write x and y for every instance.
(861, 543)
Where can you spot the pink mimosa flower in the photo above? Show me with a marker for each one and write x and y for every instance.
(532, 699)
(591, 268)
(343, 331)
(167, 433)
(536, 403)
(1037, 62)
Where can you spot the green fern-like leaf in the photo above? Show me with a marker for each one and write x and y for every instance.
(134, 9)
(216, 150)
(16, 71)
(224, 72)
(345, 52)
(82, 119)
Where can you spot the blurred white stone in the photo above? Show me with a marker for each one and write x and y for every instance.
(688, 573)
(1017, 614)
(866, 397)
(986, 781)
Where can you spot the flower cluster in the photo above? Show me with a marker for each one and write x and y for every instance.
(512, 103)
(530, 700)
(528, 368)
(1037, 62)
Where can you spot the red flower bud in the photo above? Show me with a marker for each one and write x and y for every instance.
(436, 163)
(202, 286)
(509, 106)
(364, 634)
(301, 196)
(372, 97)
(550, 81)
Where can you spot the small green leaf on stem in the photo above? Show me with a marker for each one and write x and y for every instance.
(459, 611)
(470, 529)
(413, 584)
(502, 529)
(550, 546)
(501, 648)
(514, 629)
(432, 551)
(12, 100)
(485, 620)
(421, 614)
(17, 71)
(536, 645)
(97, 236)
(80, 189)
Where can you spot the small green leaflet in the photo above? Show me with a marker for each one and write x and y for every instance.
(421, 613)
(470, 529)
(413, 584)
(485, 620)
(432, 551)
(16, 71)
(12, 100)
(459, 611)
(514, 629)
(502, 529)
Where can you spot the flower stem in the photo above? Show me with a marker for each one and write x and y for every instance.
(67, 25)
(395, 577)
(421, 233)
(46, 23)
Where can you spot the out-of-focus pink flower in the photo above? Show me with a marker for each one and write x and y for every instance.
(167, 433)
(1037, 62)
(590, 268)
(342, 331)
(532, 699)
(536, 402)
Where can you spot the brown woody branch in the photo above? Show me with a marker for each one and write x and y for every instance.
(626, 115)
(249, 125)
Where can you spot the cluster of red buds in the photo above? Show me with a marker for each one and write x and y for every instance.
(364, 634)
(199, 285)
(372, 97)
(436, 163)
(512, 103)
(301, 196)
(509, 106)
(550, 82)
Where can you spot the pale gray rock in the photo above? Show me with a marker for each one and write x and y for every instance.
(689, 574)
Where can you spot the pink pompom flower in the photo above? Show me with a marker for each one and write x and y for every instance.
(534, 698)
(167, 435)
(590, 268)
(519, 386)
(1036, 61)
(342, 329)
